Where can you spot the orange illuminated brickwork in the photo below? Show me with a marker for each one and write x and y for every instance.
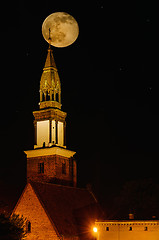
(57, 212)
(52, 169)
(30, 207)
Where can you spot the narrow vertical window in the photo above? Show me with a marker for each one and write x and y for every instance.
(64, 168)
(130, 228)
(107, 228)
(28, 226)
(145, 228)
(41, 167)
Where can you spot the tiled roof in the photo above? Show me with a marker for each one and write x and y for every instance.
(72, 210)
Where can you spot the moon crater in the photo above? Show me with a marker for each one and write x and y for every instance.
(63, 27)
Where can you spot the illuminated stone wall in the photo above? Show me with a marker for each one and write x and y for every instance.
(31, 209)
(127, 230)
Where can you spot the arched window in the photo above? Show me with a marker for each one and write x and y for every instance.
(28, 226)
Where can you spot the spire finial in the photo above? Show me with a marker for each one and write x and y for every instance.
(49, 39)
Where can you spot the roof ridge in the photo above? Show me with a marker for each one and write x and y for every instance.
(64, 186)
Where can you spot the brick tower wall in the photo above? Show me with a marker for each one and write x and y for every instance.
(52, 168)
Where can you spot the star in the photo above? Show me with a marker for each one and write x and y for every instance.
(121, 69)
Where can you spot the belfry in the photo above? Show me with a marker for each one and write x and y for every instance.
(50, 161)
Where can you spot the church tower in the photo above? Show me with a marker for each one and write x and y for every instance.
(50, 161)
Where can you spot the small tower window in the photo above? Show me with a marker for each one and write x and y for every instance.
(107, 228)
(145, 228)
(130, 228)
(64, 168)
(28, 226)
(41, 167)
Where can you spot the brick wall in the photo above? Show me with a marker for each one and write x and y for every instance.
(53, 169)
(31, 209)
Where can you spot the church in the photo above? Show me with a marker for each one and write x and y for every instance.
(51, 203)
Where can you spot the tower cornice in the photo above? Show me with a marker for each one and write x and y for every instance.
(54, 150)
(50, 113)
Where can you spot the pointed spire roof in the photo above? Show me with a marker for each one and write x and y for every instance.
(50, 86)
(50, 62)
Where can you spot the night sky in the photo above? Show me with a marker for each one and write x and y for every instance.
(110, 90)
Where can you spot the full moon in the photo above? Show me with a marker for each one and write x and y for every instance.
(60, 29)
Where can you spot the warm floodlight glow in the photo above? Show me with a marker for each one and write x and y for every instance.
(95, 229)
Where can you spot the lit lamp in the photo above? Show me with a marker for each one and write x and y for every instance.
(95, 230)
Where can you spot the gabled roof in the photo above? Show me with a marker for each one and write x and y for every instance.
(72, 210)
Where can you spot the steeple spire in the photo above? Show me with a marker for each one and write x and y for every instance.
(49, 36)
(50, 86)
(50, 62)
